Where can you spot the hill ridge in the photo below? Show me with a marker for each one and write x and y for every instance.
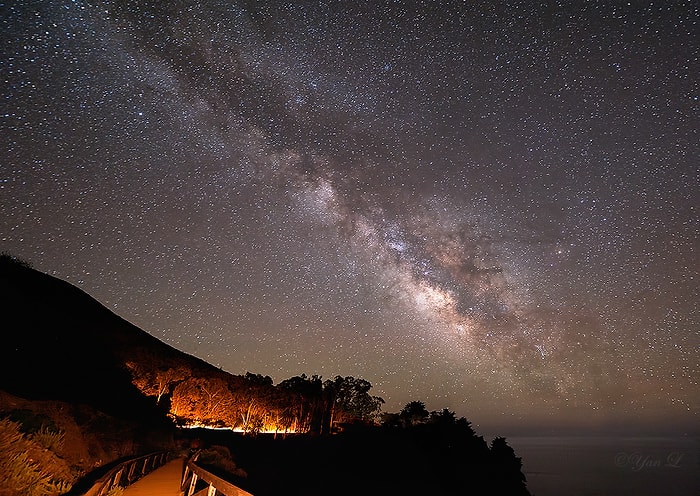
(59, 341)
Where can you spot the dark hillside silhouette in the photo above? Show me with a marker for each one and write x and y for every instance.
(61, 344)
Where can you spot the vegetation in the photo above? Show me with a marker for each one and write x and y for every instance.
(115, 491)
(71, 445)
(252, 404)
(28, 465)
(8, 260)
(218, 459)
(435, 453)
(49, 439)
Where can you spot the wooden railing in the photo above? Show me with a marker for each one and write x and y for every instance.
(128, 472)
(214, 485)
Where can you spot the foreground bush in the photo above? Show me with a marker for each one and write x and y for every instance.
(28, 464)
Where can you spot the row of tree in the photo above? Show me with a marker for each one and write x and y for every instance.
(252, 403)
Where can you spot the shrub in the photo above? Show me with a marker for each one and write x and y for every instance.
(30, 421)
(21, 473)
(49, 439)
(115, 491)
(220, 457)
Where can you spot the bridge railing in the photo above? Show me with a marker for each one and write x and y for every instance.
(214, 485)
(128, 472)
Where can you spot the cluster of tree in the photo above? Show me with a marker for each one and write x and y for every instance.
(252, 403)
(414, 451)
(455, 458)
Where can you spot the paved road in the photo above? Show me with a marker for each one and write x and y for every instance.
(164, 481)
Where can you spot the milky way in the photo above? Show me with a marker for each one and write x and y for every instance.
(486, 207)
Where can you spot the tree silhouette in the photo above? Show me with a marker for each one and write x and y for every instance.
(306, 398)
(258, 379)
(8, 260)
(507, 473)
(414, 413)
(156, 382)
(348, 399)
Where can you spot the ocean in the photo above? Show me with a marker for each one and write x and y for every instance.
(610, 466)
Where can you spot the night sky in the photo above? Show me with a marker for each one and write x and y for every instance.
(491, 207)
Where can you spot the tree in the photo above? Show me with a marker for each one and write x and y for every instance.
(250, 417)
(348, 399)
(306, 397)
(10, 261)
(156, 382)
(414, 413)
(508, 477)
(443, 417)
(202, 400)
(258, 379)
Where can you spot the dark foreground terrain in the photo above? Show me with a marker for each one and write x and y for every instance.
(371, 461)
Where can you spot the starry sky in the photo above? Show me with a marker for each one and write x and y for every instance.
(490, 207)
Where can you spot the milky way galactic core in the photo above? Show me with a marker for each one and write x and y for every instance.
(488, 207)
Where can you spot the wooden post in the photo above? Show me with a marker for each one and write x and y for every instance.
(130, 476)
(118, 477)
(193, 483)
(185, 474)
